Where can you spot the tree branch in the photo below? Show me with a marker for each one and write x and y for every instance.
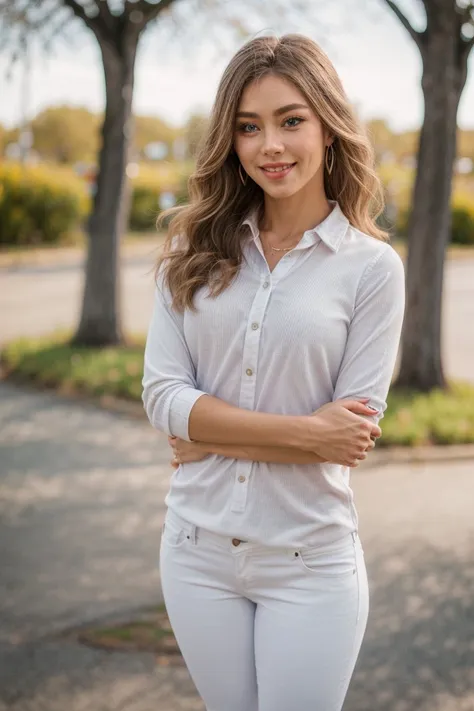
(106, 16)
(79, 12)
(466, 47)
(414, 34)
(151, 12)
(96, 24)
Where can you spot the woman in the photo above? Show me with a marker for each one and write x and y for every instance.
(274, 335)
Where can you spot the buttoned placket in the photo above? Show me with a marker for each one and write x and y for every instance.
(253, 335)
(248, 379)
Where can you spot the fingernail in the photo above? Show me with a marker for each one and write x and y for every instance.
(372, 408)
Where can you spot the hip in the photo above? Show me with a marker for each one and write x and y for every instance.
(249, 566)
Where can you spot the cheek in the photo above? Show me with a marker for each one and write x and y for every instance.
(244, 149)
(307, 146)
(311, 160)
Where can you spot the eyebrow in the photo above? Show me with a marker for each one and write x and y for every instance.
(277, 112)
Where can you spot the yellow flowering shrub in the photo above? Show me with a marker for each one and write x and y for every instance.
(39, 204)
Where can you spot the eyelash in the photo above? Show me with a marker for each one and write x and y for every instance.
(241, 127)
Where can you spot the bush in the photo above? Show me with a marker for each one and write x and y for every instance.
(144, 207)
(146, 190)
(462, 215)
(39, 205)
(463, 220)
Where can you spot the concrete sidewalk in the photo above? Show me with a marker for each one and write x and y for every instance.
(81, 507)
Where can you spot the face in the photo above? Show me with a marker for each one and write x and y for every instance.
(279, 140)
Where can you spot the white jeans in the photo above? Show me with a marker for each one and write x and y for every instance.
(262, 628)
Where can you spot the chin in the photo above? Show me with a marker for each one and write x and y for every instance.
(281, 191)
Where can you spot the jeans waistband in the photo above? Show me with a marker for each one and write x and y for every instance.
(194, 533)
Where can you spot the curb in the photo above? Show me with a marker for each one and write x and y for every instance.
(138, 247)
(75, 256)
(382, 457)
(418, 455)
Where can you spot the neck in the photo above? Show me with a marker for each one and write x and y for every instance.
(288, 218)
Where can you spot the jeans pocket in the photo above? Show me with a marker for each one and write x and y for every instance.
(334, 561)
(173, 534)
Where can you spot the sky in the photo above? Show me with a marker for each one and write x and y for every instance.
(378, 63)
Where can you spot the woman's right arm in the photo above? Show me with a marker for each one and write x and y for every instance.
(176, 406)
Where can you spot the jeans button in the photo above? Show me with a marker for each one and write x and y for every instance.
(236, 542)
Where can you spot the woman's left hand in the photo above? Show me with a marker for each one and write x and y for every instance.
(185, 451)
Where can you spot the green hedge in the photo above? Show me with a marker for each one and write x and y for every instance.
(462, 215)
(39, 205)
(145, 207)
(43, 204)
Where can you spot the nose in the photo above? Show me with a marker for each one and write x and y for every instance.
(272, 144)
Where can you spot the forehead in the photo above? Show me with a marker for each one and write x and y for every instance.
(268, 93)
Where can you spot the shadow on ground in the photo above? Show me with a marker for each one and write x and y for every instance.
(418, 650)
(417, 654)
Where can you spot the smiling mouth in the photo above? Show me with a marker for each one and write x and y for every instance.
(278, 169)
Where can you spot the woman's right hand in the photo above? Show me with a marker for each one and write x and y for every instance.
(340, 432)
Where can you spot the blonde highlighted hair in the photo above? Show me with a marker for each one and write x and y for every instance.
(204, 242)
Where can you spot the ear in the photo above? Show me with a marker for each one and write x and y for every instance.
(328, 138)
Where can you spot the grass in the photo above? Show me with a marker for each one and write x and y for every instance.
(411, 419)
(438, 417)
(52, 362)
(151, 633)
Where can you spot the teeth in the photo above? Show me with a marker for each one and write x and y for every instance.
(277, 170)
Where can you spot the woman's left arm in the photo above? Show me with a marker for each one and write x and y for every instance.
(196, 451)
(273, 455)
(374, 333)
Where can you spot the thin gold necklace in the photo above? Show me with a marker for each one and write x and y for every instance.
(281, 249)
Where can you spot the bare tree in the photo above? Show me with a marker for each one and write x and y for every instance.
(118, 26)
(444, 45)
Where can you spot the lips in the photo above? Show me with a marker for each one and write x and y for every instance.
(277, 170)
(275, 167)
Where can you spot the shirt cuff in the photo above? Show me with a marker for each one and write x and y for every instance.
(179, 411)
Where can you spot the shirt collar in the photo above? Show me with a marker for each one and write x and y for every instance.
(331, 230)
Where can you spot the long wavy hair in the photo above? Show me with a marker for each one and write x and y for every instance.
(204, 241)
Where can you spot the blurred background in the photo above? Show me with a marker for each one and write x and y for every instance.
(102, 107)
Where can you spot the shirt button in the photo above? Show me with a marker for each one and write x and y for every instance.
(254, 326)
(249, 371)
(265, 284)
(241, 479)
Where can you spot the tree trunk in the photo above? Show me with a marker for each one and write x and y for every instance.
(430, 224)
(100, 323)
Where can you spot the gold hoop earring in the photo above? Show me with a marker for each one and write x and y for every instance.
(243, 180)
(330, 158)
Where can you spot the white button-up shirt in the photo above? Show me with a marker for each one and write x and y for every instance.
(324, 325)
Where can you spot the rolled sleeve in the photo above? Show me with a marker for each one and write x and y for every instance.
(179, 411)
(374, 333)
(169, 380)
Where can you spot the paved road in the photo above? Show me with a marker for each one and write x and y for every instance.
(39, 299)
(81, 505)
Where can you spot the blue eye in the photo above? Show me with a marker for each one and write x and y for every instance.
(294, 118)
(244, 126)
